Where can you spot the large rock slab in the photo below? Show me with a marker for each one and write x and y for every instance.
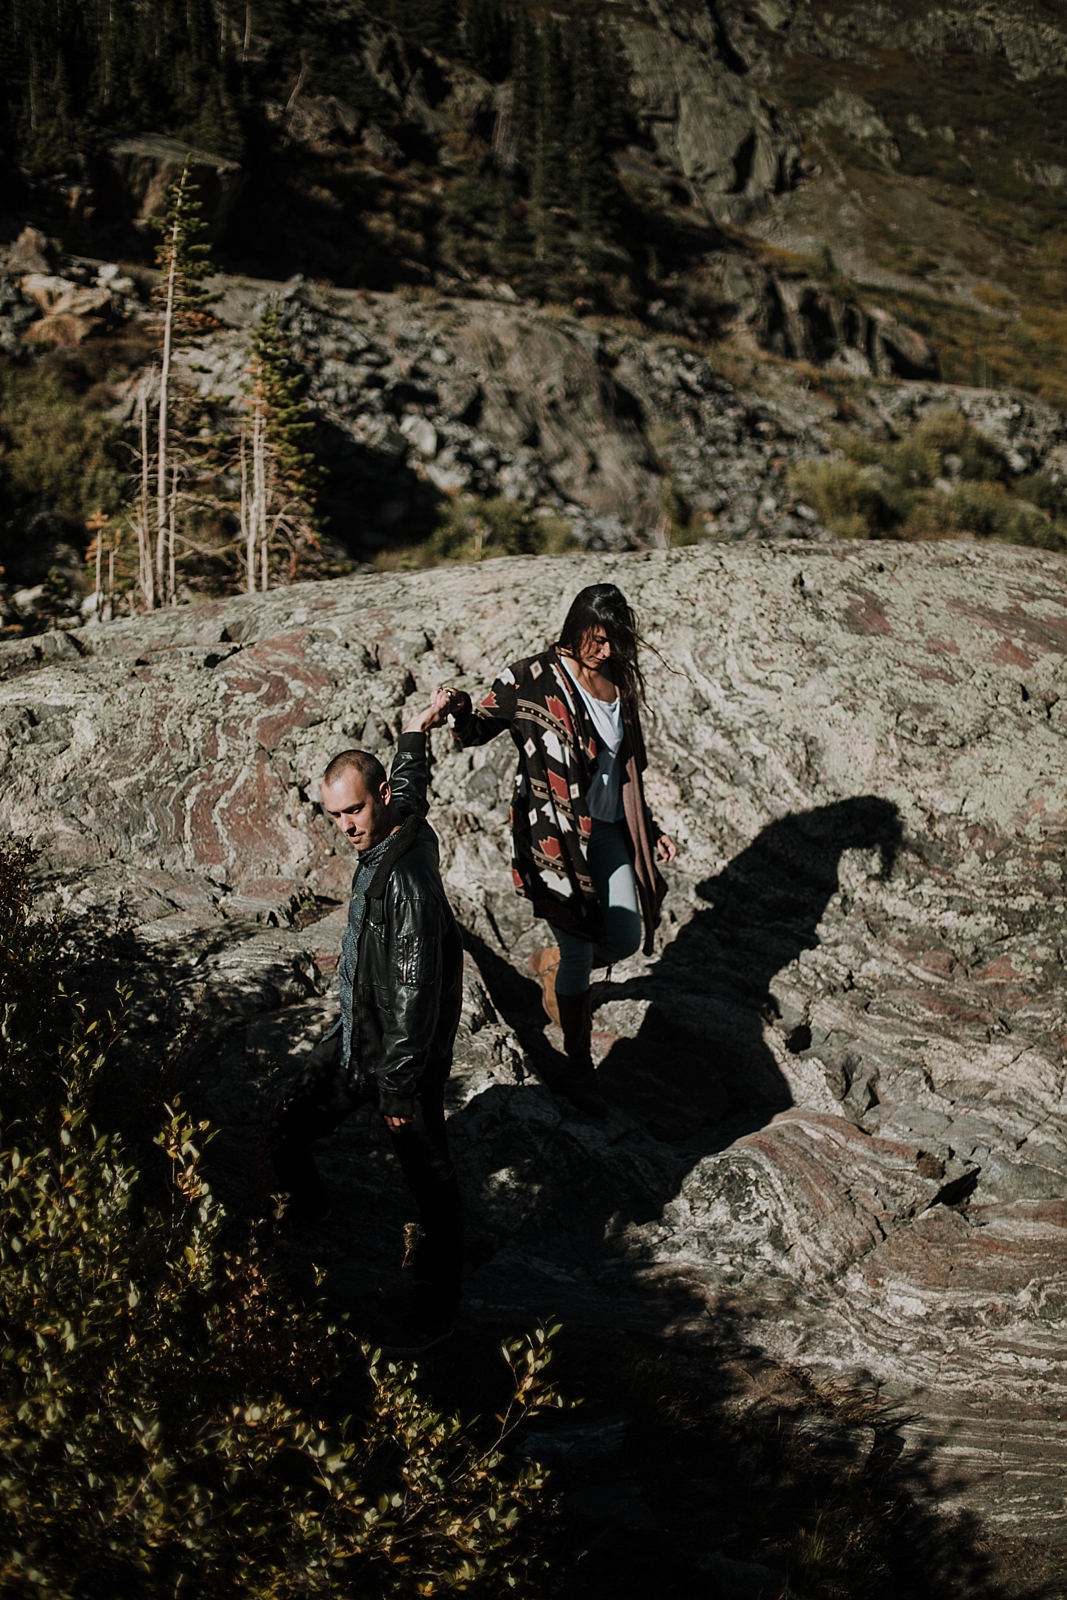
(838, 1130)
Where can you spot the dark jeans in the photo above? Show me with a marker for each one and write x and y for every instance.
(318, 1102)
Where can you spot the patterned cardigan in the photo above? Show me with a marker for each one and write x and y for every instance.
(536, 702)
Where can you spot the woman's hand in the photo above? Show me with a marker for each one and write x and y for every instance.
(436, 712)
(666, 848)
(459, 708)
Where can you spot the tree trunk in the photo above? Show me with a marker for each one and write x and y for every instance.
(248, 526)
(172, 587)
(164, 396)
(259, 486)
(144, 541)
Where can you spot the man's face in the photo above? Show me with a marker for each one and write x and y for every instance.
(361, 813)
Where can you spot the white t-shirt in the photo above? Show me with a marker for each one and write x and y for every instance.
(605, 792)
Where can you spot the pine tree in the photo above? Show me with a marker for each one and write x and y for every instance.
(183, 260)
(279, 475)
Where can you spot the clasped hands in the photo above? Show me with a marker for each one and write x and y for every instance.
(436, 713)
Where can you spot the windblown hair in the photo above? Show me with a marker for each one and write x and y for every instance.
(603, 605)
(369, 768)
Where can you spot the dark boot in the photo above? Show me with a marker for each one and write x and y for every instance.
(579, 1082)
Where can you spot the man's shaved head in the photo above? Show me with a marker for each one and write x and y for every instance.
(369, 768)
(356, 794)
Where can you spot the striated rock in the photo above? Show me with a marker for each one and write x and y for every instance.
(839, 1125)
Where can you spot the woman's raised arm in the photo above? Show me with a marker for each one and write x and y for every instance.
(479, 724)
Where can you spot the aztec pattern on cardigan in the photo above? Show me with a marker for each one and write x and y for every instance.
(535, 701)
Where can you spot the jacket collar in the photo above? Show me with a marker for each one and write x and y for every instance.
(399, 844)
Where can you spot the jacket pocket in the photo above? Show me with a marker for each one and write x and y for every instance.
(415, 962)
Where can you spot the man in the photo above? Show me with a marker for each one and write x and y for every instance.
(401, 980)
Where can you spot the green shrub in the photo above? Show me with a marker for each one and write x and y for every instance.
(947, 433)
(52, 447)
(471, 529)
(165, 1416)
(942, 480)
(849, 498)
(985, 511)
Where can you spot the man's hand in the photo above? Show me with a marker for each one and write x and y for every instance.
(435, 713)
(397, 1122)
(666, 848)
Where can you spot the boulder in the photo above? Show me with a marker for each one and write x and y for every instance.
(140, 170)
(61, 329)
(858, 119)
(838, 1128)
(68, 309)
(58, 297)
(804, 321)
(31, 252)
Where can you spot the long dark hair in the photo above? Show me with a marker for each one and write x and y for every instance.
(602, 605)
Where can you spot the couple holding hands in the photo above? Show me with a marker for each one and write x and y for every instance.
(585, 851)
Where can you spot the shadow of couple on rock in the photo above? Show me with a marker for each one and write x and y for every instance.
(722, 1458)
(698, 1066)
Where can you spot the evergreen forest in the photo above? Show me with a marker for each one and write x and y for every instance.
(82, 73)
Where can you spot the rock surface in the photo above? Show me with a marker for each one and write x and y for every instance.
(732, 146)
(838, 1128)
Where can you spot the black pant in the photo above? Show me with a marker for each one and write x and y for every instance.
(319, 1101)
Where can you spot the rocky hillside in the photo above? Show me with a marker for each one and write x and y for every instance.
(838, 1128)
(619, 437)
(908, 157)
(776, 226)
(431, 398)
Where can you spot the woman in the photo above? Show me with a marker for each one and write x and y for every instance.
(585, 845)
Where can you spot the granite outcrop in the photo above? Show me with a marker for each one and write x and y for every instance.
(838, 1126)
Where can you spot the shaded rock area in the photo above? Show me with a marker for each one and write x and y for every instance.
(838, 1129)
(136, 173)
(733, 147)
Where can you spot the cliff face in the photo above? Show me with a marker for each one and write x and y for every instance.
(838, 1127)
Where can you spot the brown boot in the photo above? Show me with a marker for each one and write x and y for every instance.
(543, 964)
(579, 1082)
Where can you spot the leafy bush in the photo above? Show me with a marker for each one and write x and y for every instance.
(943, 480)
(471, 529)
(165, 1424)
(848, 497)
(52, 447)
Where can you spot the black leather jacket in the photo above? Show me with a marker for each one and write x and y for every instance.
(407, 987)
